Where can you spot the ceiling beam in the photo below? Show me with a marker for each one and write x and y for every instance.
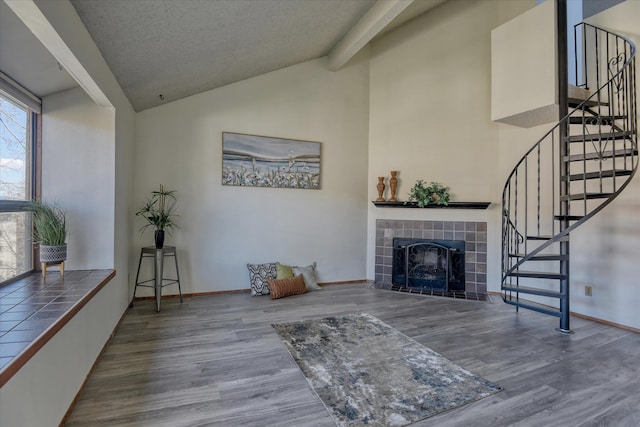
(374, 21)
(40, 26)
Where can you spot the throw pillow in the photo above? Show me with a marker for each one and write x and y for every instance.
(309, 275)
(258, 276)
(283, 271)
(286, 287)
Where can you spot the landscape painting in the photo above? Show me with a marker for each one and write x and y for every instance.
(262, 161)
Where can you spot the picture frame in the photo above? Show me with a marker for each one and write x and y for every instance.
(264, 161)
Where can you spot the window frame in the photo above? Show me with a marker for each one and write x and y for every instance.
(25, 99)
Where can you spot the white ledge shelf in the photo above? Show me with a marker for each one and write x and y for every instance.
(451, 205)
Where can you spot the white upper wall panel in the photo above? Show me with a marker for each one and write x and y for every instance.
(523, 69)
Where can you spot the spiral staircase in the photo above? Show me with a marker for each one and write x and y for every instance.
(574, 171)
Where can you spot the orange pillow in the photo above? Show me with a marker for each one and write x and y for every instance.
(280, 288)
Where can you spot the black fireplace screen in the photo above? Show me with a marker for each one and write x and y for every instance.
(429, 264)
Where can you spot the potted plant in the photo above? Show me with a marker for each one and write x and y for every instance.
(433, 193)
(50, 231)
(158, 214)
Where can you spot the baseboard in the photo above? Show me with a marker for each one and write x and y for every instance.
(593, 319)
(345, 282)
(197, 294)
(606, 322)
(238, 291)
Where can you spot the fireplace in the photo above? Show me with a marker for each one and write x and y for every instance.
(470, 260)
(436, 265)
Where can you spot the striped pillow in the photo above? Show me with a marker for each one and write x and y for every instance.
(280, 288)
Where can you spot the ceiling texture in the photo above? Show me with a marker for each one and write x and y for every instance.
(164, 50)
(178, 48)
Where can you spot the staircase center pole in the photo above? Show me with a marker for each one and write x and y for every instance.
(563, 94)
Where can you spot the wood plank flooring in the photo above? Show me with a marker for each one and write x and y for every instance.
(216, 361)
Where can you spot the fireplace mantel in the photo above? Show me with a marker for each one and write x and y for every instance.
(451, 205)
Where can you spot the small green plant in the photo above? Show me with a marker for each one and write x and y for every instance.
(49, 223)
(433, 193)
(157, 213)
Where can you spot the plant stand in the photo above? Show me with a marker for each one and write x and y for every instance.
(45, 265)
(158, 280)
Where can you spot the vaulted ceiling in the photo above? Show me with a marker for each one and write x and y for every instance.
(164, 50)
(177, 48)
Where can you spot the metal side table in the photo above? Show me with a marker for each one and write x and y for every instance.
(158, 280)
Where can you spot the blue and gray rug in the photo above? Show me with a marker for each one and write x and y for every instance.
(368, 373)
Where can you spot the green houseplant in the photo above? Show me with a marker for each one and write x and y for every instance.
(50, 231)
(159, 213)
(432, 193)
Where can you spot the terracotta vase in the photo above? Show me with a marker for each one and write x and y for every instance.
(393, 183)
(380, 188)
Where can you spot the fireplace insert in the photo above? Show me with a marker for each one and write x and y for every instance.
(436, 265)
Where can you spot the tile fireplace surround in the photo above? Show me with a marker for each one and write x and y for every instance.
(474, 235)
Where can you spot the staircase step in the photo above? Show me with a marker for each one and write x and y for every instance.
(532, 291)
(530, 305)
(588, 196)
(598, 175)
(542, 257)
(595, 120)
(574, 102)
(605, 155)
(537, 274)
(604, 136)
(547, 237)
(568, 217)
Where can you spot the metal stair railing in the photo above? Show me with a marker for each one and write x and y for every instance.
(601, 159)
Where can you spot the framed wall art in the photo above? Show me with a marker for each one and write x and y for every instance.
(263, 161)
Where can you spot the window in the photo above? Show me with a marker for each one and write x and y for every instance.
(18, 130)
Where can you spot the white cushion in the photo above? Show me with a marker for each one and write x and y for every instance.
(309, 275)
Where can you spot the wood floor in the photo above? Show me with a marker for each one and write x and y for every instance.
(216, 361)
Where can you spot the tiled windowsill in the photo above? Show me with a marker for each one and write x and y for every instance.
(33, 310)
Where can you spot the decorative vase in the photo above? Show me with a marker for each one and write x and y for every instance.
(393, 183)
(380, 188)
(53, 254)
(159, 236)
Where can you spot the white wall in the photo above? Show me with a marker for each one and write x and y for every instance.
(523, 68)
(430, 111)
(40, 393)
(99, 79)
(222, 228)
(602, 249)
(77, 173)
(429, 118)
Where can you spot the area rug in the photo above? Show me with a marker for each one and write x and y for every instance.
(368, 373)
